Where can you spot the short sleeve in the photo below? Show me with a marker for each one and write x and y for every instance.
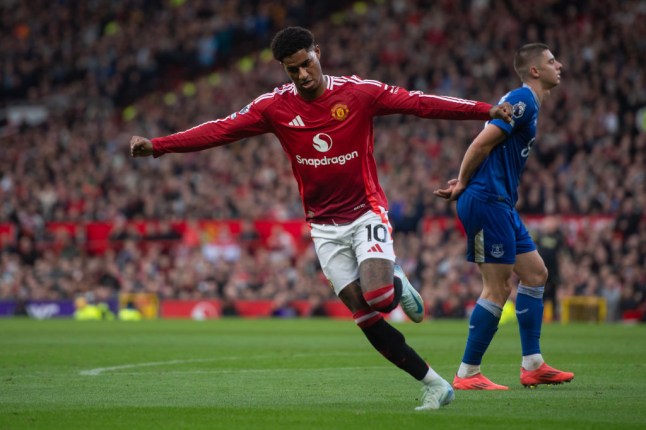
(522, 110)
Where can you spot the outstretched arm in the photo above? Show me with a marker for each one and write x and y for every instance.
(250, 121)
(477, 152)
(383, 99)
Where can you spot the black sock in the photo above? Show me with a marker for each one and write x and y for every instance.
(391, 344)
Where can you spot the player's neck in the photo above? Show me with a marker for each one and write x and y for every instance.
(318, 93)
(538, 90)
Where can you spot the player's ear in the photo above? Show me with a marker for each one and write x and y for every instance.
(317, 51)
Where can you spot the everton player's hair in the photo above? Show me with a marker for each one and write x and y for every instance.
(525, 56)
(290, 40)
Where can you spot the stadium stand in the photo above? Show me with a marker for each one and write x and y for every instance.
(79, 217)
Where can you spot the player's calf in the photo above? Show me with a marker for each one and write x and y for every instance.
(390, 343)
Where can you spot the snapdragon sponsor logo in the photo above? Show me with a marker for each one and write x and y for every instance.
(327, 161)
(323, 143)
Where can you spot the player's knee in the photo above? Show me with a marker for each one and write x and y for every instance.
(537, 277)
(382, 299)
(385, 299)
(504, 291)
(497, 293)
(507, 288)
(545, 274)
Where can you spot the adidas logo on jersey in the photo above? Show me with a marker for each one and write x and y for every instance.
(297, 122)
(376, 248)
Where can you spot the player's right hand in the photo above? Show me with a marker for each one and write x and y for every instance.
(140, 147)
(452, 192)
(502, 111)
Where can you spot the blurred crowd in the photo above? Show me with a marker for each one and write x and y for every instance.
(119, 49)
(102, 71)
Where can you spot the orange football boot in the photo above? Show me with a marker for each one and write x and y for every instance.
(544, 375)
(476, 382)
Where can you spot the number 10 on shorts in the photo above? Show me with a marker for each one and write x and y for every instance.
(378, 232)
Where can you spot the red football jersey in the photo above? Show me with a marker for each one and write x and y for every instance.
(329, 140)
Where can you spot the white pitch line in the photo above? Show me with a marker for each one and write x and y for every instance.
(269, 369)
(100, 370)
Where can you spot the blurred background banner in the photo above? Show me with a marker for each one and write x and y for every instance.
(45, 309)
(146, 303)
(191, 309)
(7, 308)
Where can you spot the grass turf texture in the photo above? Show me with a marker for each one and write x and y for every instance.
(301, 374)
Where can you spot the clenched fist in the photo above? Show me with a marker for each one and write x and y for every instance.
(140, 147)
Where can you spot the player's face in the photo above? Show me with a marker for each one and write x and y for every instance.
(549, 70)
(304, 69)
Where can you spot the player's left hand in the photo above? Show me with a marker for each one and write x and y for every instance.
(502, 111)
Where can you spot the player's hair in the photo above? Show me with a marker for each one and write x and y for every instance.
(525, 56)
(290, 40)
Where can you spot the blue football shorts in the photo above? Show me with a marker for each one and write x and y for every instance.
(495, 232)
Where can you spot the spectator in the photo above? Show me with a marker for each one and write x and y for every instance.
(550, 243)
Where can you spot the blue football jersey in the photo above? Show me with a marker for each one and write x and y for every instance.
(498, 176)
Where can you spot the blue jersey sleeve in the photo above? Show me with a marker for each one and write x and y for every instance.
(523, 106)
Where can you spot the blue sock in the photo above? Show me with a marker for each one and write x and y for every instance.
(529, 311)
(483, 324)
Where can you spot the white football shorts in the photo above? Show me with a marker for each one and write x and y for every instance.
(341, 248)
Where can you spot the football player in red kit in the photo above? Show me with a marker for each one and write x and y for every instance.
(325, 125)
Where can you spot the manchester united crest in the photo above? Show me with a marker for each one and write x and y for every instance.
(340, 111)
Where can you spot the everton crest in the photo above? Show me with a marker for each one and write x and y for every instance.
(497, 250)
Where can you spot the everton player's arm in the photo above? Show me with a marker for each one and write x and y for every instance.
(250, 121)
(477, 152)
(493, 134)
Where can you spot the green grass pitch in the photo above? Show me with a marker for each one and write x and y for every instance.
(302, 374)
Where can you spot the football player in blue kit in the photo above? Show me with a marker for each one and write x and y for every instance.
(486, 191)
